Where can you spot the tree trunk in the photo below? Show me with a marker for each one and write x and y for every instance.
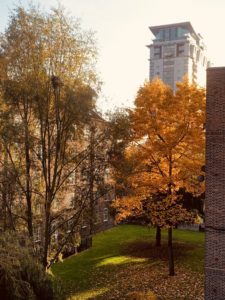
(170, 230)
(170, 252)
(91, 186)
(28, 173)
(158, 237)
(4, 209)
(29, 216)
(47, 229)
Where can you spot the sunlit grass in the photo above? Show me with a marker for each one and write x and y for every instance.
(119, 260)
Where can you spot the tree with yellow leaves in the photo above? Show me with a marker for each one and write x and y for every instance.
(168, 143)
(48, 89)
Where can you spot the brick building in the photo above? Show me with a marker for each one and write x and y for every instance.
(215, 185)
(82, 205)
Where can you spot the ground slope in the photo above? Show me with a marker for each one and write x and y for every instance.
(123, 260)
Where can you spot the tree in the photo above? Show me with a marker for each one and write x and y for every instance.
(168, 144)
(120, 133)
(96, 168)
(48, 88)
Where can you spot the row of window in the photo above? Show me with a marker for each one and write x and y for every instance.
(171, 33)
(72, 177)
(169, 51)
(37, 230)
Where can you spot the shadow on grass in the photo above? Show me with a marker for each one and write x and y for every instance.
(148, 250)
(188, 255)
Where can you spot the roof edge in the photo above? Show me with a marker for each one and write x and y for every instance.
(186, 24)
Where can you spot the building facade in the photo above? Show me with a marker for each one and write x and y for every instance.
(215, 185)
(81, 206)
(88, 192)
(177, 50)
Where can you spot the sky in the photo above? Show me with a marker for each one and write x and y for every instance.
(122, 32)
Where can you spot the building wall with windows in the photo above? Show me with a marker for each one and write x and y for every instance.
(177, 50)
(81, 207)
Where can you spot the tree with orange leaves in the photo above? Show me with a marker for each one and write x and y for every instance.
(168, 144)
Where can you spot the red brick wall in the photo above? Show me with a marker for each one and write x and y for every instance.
(215, 185)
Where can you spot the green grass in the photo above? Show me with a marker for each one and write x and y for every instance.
(86, 275)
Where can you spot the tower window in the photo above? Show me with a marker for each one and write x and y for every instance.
(180, 49)
(168, 51)
(173, 33)
(157, 52)
(167, 34)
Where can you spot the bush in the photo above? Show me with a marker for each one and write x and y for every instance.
(21, 275)
(72, 245)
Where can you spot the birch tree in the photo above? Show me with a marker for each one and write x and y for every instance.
(49, 86)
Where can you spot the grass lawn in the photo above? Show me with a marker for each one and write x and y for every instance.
(123, 261)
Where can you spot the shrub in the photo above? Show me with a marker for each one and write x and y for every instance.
(21, 275)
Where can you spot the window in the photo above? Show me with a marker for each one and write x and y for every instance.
(105, 215)
(167, 34)
(37, 234)
(54, 235)
(39, 152)
(180, 49)
(181, 32)
(38, 208)
(86, 132)
(168, 63)
(70, 225)
(72, 200)
(98, 217)
(55, 204)
(71, 178)
(157, 52)
(85, 173)
(169, 51)
(108, 197)
(173, 33)
(83, 221)
(107, 174)
(160, 35)
(18, 120)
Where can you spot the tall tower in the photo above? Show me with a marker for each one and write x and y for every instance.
(176, 51)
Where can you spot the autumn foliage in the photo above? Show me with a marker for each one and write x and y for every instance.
(167, 146)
